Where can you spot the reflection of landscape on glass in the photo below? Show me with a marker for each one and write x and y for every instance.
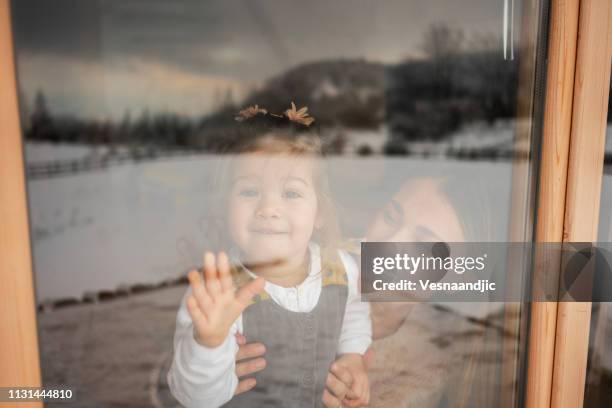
(599, 367)
(127, 106)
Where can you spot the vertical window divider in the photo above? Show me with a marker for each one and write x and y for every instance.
(550, 211)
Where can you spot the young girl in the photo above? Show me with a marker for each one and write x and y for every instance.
(297, 294)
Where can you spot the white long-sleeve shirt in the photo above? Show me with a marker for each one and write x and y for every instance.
(205, 377)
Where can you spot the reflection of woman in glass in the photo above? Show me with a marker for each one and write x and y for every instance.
(430, 209)
(419, 212)
(433, 209)
(298, 294)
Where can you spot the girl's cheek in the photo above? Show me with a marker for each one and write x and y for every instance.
(303, 216)
(302, 206)
(240, 212)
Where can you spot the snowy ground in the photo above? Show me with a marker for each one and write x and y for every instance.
(146, 222)
(116, 354)
(41, 152)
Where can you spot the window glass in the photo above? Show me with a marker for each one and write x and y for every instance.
(156, 130)
(599, 367)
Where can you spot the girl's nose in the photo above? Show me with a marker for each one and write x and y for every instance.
(267, 208)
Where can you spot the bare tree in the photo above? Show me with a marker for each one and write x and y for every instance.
(441, 41)
(441, 44)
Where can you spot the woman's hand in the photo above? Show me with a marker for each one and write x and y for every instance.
(216, 306)
(251, 352)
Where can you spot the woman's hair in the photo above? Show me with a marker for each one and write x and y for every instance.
(273, 136)
(475, 210)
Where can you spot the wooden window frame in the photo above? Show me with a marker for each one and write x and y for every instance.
(554, 159)
(19, 359)
(582, 197)
(571, 166)
(578, 83)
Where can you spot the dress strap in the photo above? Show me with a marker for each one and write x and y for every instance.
(333, 271)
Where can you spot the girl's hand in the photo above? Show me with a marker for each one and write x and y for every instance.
(359, 393)
(338, 384)
(215, 306)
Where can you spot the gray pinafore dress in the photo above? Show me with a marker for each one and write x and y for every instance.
(300, 347)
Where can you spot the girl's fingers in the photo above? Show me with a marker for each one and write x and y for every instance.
(356, 391)
(245, 385)
(352, 403)
(246, 293)
(213, 286)
(204, 300)
(250, 367)
(250, 350)
(352, 395)
(343, 374)
(194, 311)
(198, 291)
(356, 396)
(330, 401)
(337, 387)
(194, 278)
(224, 272)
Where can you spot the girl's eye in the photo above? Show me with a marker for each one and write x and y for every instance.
(248, 192)
(291, 194)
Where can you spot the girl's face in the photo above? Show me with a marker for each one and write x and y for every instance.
(272, 207)
(419, 212)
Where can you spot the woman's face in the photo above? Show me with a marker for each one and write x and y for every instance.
(418, 212)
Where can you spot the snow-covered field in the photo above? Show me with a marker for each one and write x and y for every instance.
(146, 222)
(42, 152)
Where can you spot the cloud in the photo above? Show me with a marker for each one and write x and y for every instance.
(127, 84)
(232, 41)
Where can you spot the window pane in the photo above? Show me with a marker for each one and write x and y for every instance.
(599, 367)
(142, 153)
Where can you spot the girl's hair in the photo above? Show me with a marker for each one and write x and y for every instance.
(267, 136)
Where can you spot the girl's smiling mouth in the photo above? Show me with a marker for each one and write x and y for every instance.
(268, 231)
